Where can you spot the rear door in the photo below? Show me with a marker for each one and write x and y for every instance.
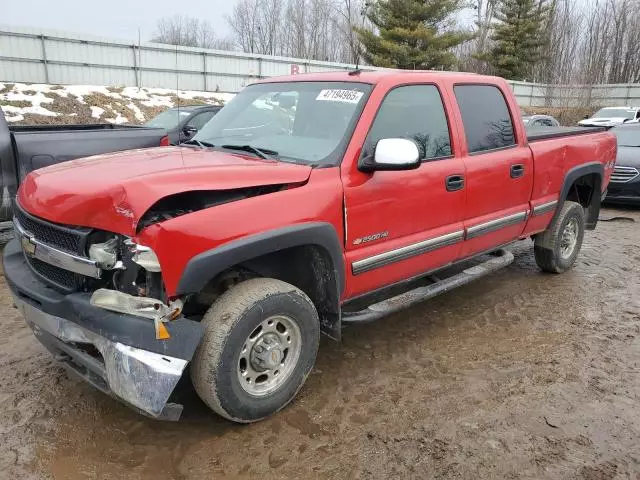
(402, 223)
(499, 168)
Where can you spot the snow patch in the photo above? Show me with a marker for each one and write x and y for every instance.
(39, 98)
(96, 112)
(137, 112)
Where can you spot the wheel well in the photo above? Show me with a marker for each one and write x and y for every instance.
(307, 267)
(585, 190)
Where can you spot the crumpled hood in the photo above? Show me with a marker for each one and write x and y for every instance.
(112, 192)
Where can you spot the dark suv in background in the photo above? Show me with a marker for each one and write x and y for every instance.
(624, 187)
(182, 123)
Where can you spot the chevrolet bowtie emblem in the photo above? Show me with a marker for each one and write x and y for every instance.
(28, 246)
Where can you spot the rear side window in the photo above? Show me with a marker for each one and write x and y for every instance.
(486, 119)
(414, 112)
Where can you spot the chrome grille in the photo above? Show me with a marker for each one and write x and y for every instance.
(56, 276)
(624, 174)
(67, 239)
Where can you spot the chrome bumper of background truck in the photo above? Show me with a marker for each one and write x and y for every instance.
(140, 378)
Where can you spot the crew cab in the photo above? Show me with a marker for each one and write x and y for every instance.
(307, 203)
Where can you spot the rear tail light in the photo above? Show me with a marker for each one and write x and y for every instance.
(164, 141)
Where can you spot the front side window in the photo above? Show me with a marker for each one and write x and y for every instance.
(201, 119)
(414, 112)
(169, 119)
(304, 122)
(486, 119)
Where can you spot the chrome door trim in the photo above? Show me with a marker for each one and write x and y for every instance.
(497, 224)
(431, 244)
(545, 208)
(56, 257)
(408, 251)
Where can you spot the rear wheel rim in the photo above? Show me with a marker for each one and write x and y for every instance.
(569, 238)
(269, 355)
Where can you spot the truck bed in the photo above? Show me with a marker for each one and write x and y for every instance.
(544, 133)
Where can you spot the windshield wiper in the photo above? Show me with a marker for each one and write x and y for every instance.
(199, 143)
(260, 152)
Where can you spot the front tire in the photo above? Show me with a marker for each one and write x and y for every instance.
(260, 343)
(557, 248)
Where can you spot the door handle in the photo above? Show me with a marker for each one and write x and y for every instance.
(517, 170)
(454, 182)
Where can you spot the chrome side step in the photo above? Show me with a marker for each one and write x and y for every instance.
(501, 259)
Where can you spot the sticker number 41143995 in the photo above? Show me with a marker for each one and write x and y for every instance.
(349, 96)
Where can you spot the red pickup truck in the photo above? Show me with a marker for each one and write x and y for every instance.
(307, 203)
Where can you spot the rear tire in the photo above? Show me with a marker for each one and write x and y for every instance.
(557, 248)
(260, 344)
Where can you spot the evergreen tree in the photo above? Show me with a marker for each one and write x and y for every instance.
(518, 37)
(412, 34)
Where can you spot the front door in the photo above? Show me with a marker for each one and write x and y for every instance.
(400, 224)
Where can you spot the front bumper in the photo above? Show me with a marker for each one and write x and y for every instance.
(623, 193)
(116, 353)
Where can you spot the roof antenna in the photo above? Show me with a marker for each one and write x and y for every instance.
(178, 101)
(358, 47)
(357, 70)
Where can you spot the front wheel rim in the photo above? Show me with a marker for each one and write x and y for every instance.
(569, 238)
(269, 355)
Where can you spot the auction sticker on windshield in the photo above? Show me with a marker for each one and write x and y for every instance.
(349, 96)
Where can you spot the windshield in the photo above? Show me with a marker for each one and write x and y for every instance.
(305, 122)
(615, 113)
(169, 119)
(628, 137)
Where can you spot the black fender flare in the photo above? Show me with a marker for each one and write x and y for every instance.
(205, 266)
(572, 175)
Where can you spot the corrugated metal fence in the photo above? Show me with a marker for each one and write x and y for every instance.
(41, 56)
(46, 56)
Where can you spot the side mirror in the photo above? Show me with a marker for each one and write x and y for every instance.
(189, 130)
(392, 154)
(587, 117)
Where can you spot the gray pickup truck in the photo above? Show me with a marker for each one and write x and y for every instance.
(27, 148)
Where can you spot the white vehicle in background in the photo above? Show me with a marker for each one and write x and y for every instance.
(612, 116)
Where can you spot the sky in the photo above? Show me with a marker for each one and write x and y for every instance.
(118, 19)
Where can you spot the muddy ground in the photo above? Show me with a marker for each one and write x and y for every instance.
(520, 375)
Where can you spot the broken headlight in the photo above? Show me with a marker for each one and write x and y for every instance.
(145, 257)
(105, 254)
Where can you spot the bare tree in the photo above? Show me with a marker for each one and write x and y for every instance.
(469, 53)
(313, 29)
(351, 15)
(188, 32)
